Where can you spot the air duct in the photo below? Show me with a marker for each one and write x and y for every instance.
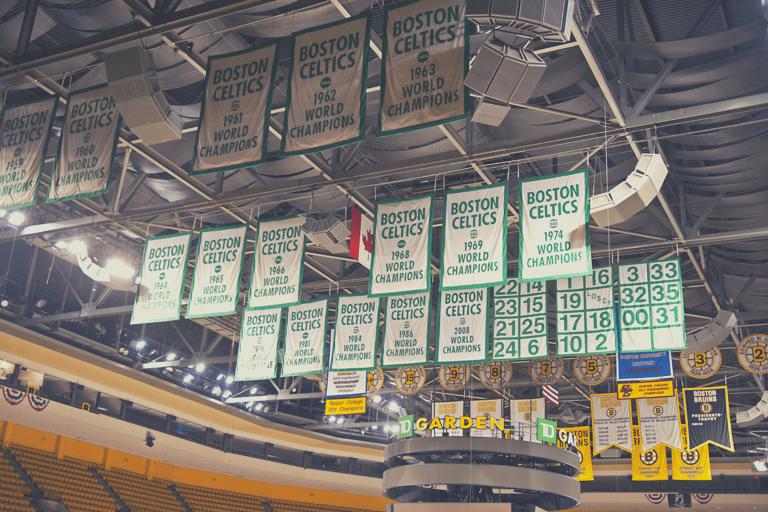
(754, 415)
(550, 20)
(712, 335)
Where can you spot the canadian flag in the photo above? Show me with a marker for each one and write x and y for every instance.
(361, 238)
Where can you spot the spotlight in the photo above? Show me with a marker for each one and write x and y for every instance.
(377, 399)
(200, 368)
(375, 427)
(188, 378)
(171, 356)
(393, 406)
(249, 405)
(340, 421)
(395, 429)
(216, 391)
(61, 245)
(226, 394)
(16, 219)
(4, 303)
(387, 428)
(77, 247)
(137, 281)
(230, 380)
(219, 377)
(332, 419)
(150, 439)
(254, 390)
(259, 406)
(120, 269)
(140, 344)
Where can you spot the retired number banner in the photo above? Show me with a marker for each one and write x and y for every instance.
(554, 227)
(234, 118)
(356, 333)
(462, 327)
(519, 321)
(325, 105)
(406, 331)
(474, 238)
(278, 263)
(87, 146)
(425, 59)
(611, 422)
(161, 281)
(402, 245)
(259, 337)
(304, 346)
(659, 420)
(24, 130)
(707, 415)
(219, 263)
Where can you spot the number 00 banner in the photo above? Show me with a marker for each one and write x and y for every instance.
(356, 334)
(259, 337)
(278, 263)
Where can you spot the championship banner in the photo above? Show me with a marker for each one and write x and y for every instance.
(523, 415)
(345, 383)
(554, 227)
(425, 57)
(87, 146)
(586, 317)
(402, 246)
(356, 333)
(707, 415)
(648, 465)
(611, 423)
(259, 338)
(691, 464)
(234, 117)
(519, 321)
(451, 409)
(328, 72)
(659, 420)
(643, 389)
(474, 238)
(304, 343)
(583, 444)
(485, 410)
(651, 300)
(462, 327)
(644, 366)
(161, 280)
(406, 331)
(278, 263)
(25, 130)
(218, 266)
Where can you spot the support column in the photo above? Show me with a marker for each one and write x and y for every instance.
(61, 446)
(28, 285)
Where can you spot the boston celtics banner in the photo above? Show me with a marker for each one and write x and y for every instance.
(357, 333)
(25, 129)
(278, 263)
(304, 346)
(406, 331)
(161, 281)
(462, 327)
(234, 118)
(87, 146)
(327, 77)
(554, 227)
(402, 245)
(691, 464)
(425, 59)
(611, 422)
(647, 465)
(219, 263)
(708, 417)
(259, 336)
(474, 238)
(659, 420)
(583, 444)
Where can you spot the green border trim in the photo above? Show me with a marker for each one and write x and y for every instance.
(428, 306)
(519, 339)
(336, 330)
(485, 331)
(325, 332)
(277, 347)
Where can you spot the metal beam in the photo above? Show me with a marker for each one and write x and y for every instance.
(742, 292)
(26, 26)
(75, 315)
(185, 362)
(710, 207)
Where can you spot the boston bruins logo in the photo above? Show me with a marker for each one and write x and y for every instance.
(689, 458)
(527, 416)
(649, 458)
(610, 412)
(658, 410)
(706, 408)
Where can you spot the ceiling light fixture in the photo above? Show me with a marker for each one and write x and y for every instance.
(188, 378)
(200, 368)
(16, 219)
(171, 356)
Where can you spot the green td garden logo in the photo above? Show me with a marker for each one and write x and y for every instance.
(406, 426)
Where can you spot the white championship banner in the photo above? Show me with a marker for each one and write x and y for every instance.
(402, 245)
(474, 238)
(161, 281)
(453, 410)
(278, 263)
(304, 347)
(218, 266)
(611, 422)
(482, 411)
(87, 146)
(425, 57)
(340, 384)
(406, 331)
(462, 327)
(659, 420)
(234, 117)
(25, 130)
(259, 338)
(519, 321)
(356, 333)
(523, 415)
(328, 73)
(554, 227)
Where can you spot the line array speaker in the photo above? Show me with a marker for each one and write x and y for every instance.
(755, 415)
(551, 20)
(504, 73)
(712, 335)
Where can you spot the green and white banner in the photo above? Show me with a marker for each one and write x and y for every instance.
(474, 238)
(304, 346)
(520, 321)
(406, 331)
(259, 338)
(25, 129)
(161, 281)
(462, 327)
(356, 333)
(218, 266)
(87, 146)
(278, 263)
(327, 77)
(402, 245)
(554, 227)
(234, 118)
(424, 61)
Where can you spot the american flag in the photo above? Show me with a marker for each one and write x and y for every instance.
(551, 394)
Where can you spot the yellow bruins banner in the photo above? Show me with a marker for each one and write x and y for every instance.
(650, 465)
(690, 464)
(583, 443)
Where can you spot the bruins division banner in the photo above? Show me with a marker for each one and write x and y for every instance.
(707, 415)
(523, 416)
(161, 281)
(356, 334)
(278, 263)
(87, 146)
(474, 238)
(406, 331)
(304, 346)
(218, 266)
(259, 337)
(659, 420)
(234, 118)
(454, 410)
(583, 444)
(424, 61)
(25, 129)
(611, 422)
(691, 464)
(484, 410)
(462, 327)
(402, 245)
(554, 227)
(648, 465)
(328, 72)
